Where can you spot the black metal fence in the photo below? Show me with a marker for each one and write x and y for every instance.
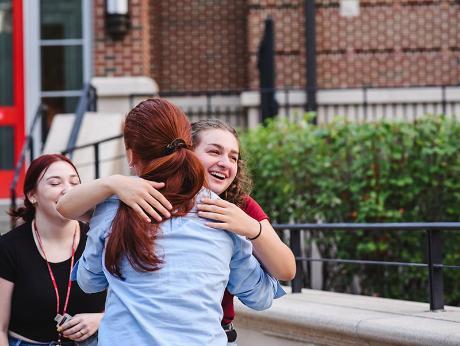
(434, 251)
(365, 104)
(201, 104)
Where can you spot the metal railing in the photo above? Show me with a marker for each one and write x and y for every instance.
(86, 103)
(364, 104)
(28, 146)
(96, 148)
(203, 104)
(433, 251)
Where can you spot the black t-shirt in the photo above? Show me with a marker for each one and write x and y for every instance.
(33, 305)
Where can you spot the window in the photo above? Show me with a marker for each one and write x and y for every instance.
(6, 54)
(65, 64)
(7, 145)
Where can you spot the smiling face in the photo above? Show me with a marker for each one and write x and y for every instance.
(218, 151)
(52, 185)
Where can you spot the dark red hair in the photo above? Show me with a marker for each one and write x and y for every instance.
(148, 130)
(35, 172)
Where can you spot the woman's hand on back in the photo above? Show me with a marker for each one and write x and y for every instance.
(228, 216)
(142, 196)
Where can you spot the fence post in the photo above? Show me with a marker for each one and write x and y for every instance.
(96, 160)
(295, 247)
(434, 239)
(444, 101)
(30, 142)
(12, 207)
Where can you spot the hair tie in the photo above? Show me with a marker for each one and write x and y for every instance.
(176, 144)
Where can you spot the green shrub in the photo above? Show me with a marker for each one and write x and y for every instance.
(377, 172)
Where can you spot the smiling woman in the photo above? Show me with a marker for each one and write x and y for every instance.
(35, 263)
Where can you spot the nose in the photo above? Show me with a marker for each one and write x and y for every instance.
(224, 162)
(67, 187)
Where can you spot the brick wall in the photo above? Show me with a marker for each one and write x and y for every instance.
(199, 45)
(391, 43)
(212, 45)
(128, 56)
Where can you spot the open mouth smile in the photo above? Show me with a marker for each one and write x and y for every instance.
(218, 175)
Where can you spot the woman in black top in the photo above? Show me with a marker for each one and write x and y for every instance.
(35, 263)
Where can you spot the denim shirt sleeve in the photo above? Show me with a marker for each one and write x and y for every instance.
(88, 271)
(253, 286)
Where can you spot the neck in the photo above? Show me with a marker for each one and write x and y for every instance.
(54, 229)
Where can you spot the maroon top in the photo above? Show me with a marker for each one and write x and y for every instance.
(254, 210)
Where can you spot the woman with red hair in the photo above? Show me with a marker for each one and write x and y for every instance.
(35, 262)
(167, 278)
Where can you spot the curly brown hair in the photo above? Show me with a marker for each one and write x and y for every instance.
(242, 184)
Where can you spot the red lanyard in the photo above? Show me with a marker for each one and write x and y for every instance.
(69, 284)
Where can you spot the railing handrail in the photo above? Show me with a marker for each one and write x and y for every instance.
(417, 226)
(172, 93)
(434, 251)
(27, 144)
(87, 102)
(108, 139)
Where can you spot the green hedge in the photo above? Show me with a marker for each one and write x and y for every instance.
(378, 172)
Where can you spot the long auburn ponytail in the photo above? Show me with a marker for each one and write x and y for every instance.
(158, 133)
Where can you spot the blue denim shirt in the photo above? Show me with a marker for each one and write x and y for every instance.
(179, 304)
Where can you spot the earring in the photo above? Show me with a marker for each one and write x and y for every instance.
(33, 201)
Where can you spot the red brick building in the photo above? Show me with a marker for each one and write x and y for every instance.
(50, 48)
(212, 45)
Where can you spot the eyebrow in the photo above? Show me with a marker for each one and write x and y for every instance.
(58, 177)
(222, 148)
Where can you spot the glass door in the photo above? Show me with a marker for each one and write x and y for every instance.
(11, 90)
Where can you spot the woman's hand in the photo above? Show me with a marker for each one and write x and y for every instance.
(142, 196)
(81, 326)
(228, 217)
(276, 256)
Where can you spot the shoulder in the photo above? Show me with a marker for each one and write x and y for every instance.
(203, 193)
(206, 193)
(253, 209)
(16, 235)
(108, 208)
(84, 227)
(103, 216)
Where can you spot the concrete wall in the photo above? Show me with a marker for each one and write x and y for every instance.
(327, 318)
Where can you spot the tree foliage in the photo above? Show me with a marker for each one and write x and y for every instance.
(373, 172)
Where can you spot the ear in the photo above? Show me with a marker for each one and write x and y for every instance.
(32, 197)
(130, 157)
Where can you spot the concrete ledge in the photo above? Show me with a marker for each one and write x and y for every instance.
(327, 318)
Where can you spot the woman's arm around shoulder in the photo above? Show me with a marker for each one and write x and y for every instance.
(252, 222)
(140, 194)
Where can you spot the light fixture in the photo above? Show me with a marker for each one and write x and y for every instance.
(116, 17)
